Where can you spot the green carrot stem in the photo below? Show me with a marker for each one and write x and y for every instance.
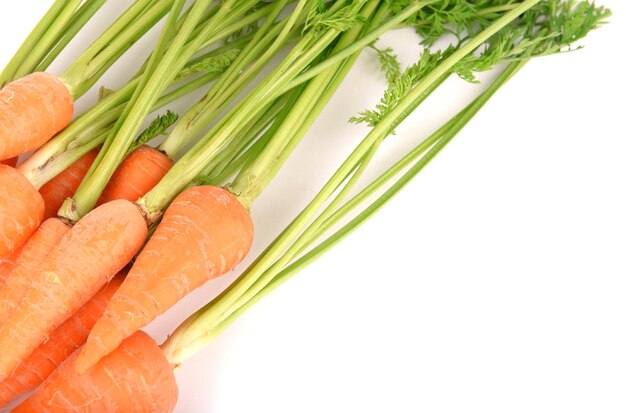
(218, 309)
(198, 330)
(39, 50)
(161, 70)
(263, 46)
(85, 127)
(35, 36)
(80, 18)
(117, 39)
(192, 163)
(255, 177)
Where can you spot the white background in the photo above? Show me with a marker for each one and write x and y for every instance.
(495, 282)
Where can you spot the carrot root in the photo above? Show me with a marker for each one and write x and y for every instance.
(142, 169)
(136, 377)
(21, 210)
(204, 233)
(32, 110)
(65, 184)
(62, 343)
(90, 254)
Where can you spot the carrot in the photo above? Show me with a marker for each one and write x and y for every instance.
(61, 344)
(32, 256)
(10, 162)
(136, 175)
(7, 264)
(32, 110)
(204, 233)
(63, 186)
(89, 255)
(136, 377)
(21, 209)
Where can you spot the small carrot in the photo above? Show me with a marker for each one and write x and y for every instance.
(61, 344)
(63, 186)
(89, 255)
(10, 162)
(142, 169)
(204, 233)
(32, 256)
(32, 110)
(136, 377)
(21, 209)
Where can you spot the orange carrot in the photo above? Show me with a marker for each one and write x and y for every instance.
(21, 209)
(63, 186)
(10, 162)
(32, 110)
(89, 255)
(7, 264)
(204, 233)
(136, 378)
(32, 256)
(61, 344)
(136, 175)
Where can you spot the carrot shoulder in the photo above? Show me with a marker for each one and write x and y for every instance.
(204, 233)
(142, 169)
(21, 209)
(61, 344)
(65, 184)
(32, 256)
(32, 110)
(91, 253)
(136, 377)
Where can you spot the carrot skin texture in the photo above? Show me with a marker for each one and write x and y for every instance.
(91, 253)
(204, 233)
(136, 377)
(7, 264)
(62, 343)
(32, 256)
(142, 169)
(21, 210)
(65, 184)
(10, 162)
(32, 110)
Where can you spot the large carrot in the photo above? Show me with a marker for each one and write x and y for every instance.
(91, 253)
(140, 171)
(63, 186)
(21, 209)
(32, 256)
(59, 346)
(32, 110)
(206, 232)
(136, 377)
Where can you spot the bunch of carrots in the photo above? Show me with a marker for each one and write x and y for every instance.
(102, 232)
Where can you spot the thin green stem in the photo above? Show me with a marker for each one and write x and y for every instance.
(80, 18)
(40, 49)
(35, 36)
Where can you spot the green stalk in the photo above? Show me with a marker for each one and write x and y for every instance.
(192, 163)
(36, 35)
(267, 41)
(100, 132)
(88, 125)
(117, 39)
(80, 18)
(170, 62)
(39, 50)
(199, 329)
(217, 310)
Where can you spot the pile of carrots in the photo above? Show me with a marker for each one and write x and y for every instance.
(101, 233)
